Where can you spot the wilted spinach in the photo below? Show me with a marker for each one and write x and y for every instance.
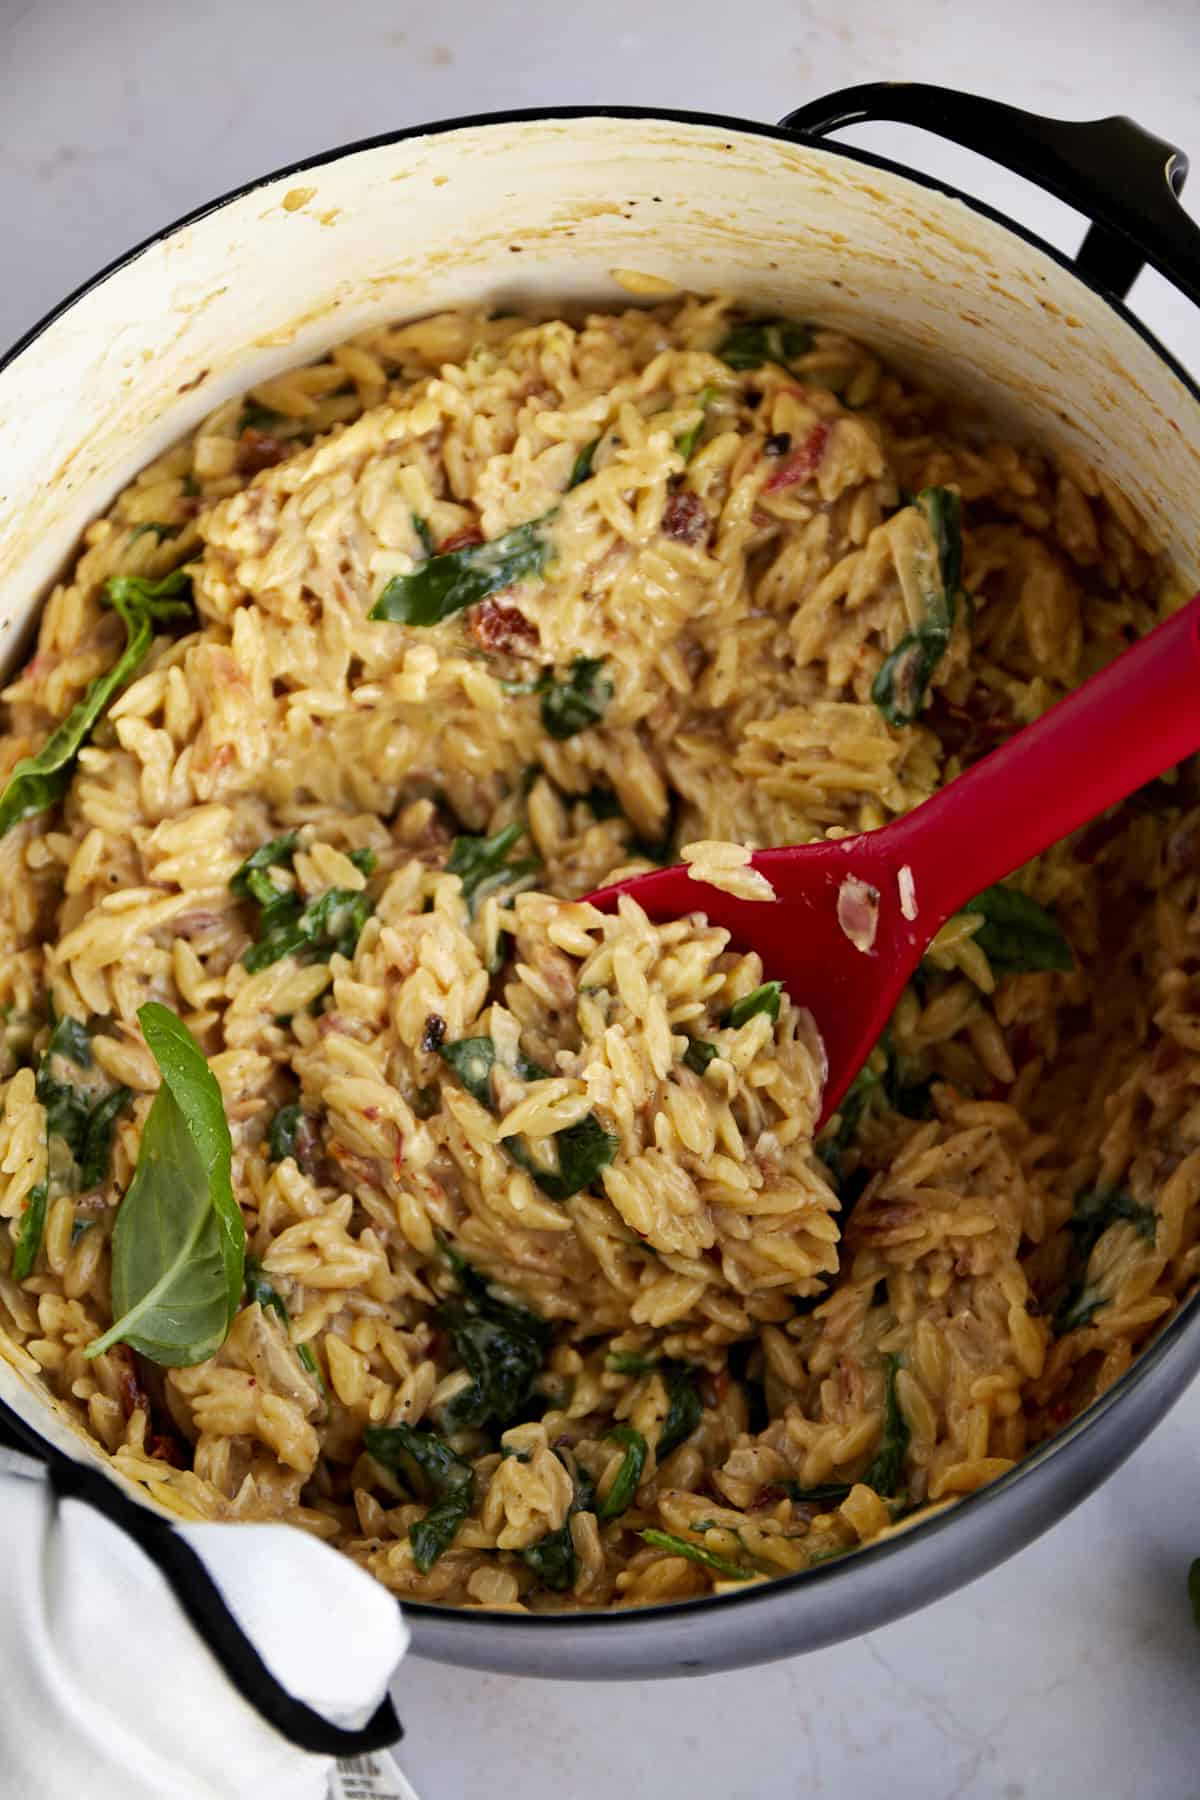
(684, 1409)
(900, 687)
(444, 1477)
(483, 867)
(40, 781)
(582, 1150)
(500, 1343)
(625, 1482)
(1017, 934)
(677, 1546)
(1094, 1212)
(579, 701)
(447, 583)
(885, 1470)
(764, 999)
(753, 342)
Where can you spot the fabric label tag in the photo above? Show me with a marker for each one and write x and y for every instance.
(372, 1777)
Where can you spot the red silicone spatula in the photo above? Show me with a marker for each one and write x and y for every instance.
(847, 955)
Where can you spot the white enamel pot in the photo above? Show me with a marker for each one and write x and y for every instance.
(549, 204)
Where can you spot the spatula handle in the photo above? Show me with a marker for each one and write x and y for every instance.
(1128, 724)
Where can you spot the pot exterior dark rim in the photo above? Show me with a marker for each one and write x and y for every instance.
(879, 1583)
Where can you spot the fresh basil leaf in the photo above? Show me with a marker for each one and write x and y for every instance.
(1094, 1212)
(684, 1409)
(259, 1288)
(699, 1054)
(1017, 933)
(884, 1473)
(582, 467)
(580, 701)
(179, 1244)
(753, 342)
(444, 1475)
(625, 1482)
(583, 1150)
(481, 863)
(677, 1546)
(687, 440)
(279, 853)
(900, 687)
(39, 782)
(328, 926)
(446, 584)
(96, 1153)
(826, 1493)
(764, 999)
(424, 534)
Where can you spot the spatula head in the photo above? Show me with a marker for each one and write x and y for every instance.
(844, 934)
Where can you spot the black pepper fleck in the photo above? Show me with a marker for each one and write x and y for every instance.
(778, 444)
(435, 1032)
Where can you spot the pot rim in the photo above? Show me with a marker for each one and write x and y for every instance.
(1029, 1467)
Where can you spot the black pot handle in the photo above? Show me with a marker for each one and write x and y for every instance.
(1122, 178)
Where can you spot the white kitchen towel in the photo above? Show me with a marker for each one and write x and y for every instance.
(109, 1692)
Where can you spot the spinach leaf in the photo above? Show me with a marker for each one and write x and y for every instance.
(446, 584)
(582, 467)
(281, 1138)
(630, 1362)
(364, 860)
(161, 532)
(583, 1150)
(677, 1546)
(687, 440)
(472, 1060)
(552, 1558)
(178, 1247)
(279, 853)
(72, 1040)
(254, 417)
(601, 802)
(900, 686)
(38, 782)
(764, 999)
(501, 1344)
(306, 1356)
(96, 1152)
(826, 1493)
(424, 534)
(33, 1224)
(699, 1054)
(1094, 1213)
(445, 1476)
(581, 700)
(259, 1288)
(481, 863)
(1017, 933)
(625, 1482)
(328, 926)
(850, 1111)
(684, 1409)
(888, 1464)
(84, 1128)
(753, 342)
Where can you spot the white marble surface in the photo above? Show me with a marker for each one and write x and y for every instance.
(1072, 1671)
